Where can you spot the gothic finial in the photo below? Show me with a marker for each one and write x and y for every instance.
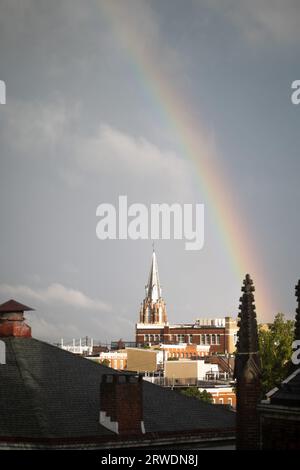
(247, 335)
(247, 371)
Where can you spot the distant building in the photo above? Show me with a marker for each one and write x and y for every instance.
(152, 359)
(114, 359)
(221, 394)
(81, 347)
(153, 326)
(144, 360)
(184, 351)
(185, 371)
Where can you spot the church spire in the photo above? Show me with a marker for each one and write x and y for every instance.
(153, 309)
(153, 288)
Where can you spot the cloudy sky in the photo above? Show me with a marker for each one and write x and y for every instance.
(97, 96)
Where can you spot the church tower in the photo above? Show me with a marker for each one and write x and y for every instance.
(153, 309)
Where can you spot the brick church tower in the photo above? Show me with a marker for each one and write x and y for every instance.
(153, 309)
(247, 372)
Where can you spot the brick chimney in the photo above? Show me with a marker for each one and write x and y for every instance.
(247, 372)
(12, 321)
(121, 404)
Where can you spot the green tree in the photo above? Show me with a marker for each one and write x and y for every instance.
(275, 348)
(195, 393)
(105, 362)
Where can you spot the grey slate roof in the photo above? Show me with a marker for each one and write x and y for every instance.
(288, 394)
(51, 393)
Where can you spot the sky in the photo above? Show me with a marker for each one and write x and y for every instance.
(163, 101)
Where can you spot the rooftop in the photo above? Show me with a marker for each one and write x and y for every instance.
(49, 393)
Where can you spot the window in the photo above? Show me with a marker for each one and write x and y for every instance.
(229, 401)
(180, 338)
(207, 339)
(146, 337)
(202, 339)
(221, 401)
(218, 339)
(213, 339)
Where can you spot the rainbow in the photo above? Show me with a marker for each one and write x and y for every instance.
(197, 148)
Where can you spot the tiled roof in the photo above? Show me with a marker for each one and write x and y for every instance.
(47, 392)
(288, 394)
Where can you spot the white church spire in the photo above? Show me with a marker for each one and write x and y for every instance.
(153, 288)
(153, 309)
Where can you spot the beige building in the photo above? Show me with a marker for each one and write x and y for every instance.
(189, 369)
(144, 360)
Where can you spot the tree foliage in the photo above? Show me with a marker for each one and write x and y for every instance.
(105, 362)
(275, 348)
(195, 393)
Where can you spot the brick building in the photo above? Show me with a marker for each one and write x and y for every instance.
(222, 394)
(153, 326)
(114, 359)
(184, 351)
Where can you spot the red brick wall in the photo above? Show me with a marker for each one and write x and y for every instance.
(224, 398)
(14, 328)
(121, 397)
(169, 333)
(247, 419)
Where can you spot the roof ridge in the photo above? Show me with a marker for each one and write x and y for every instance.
(18, 360)
(28, 378)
